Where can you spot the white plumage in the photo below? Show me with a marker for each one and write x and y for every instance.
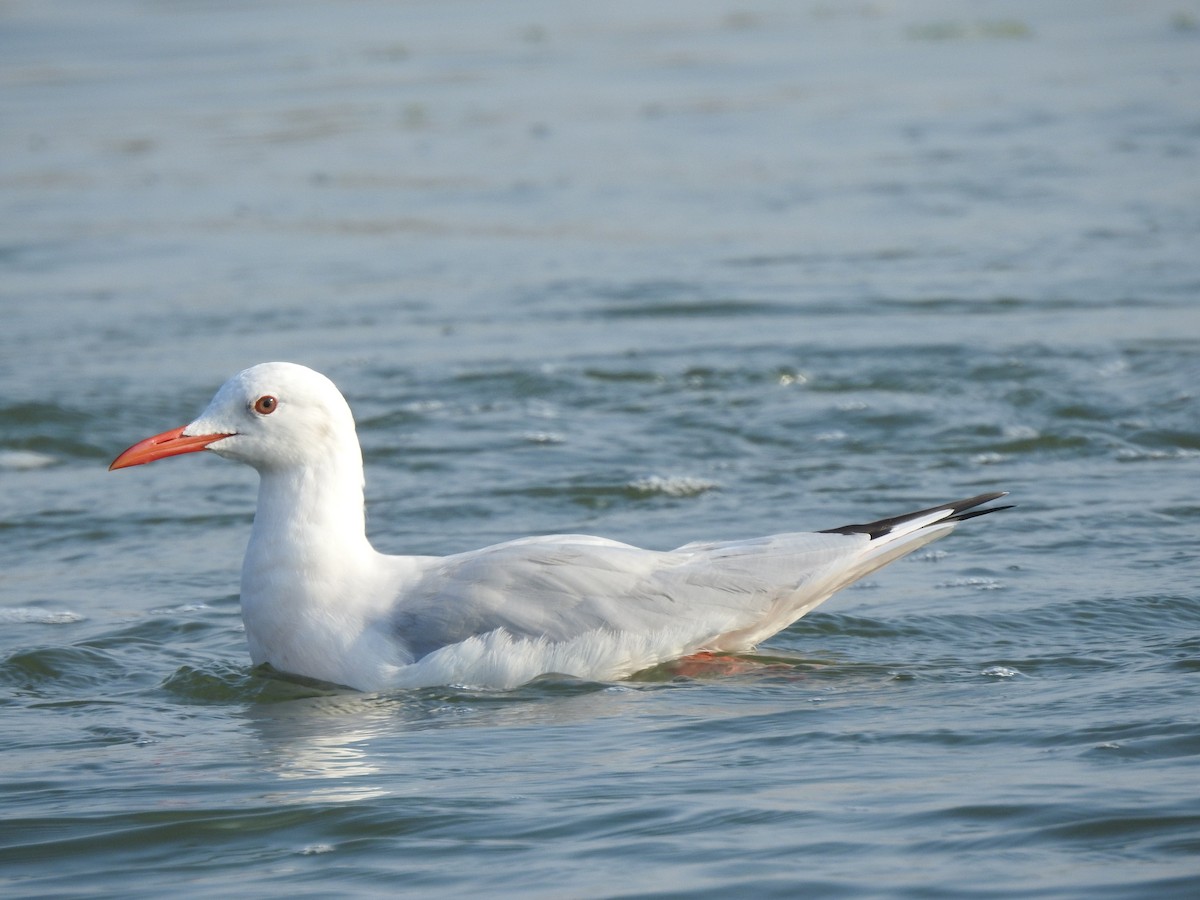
(319, 601)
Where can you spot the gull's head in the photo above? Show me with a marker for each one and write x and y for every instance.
(271, 416)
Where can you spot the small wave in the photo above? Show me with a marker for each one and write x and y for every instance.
(316, 849)
(673, 486)
(183, 608)
(1000, 672)
(1130, 454)
(544, 437)
(936, 555)
(988, 459)
(980, 584)
(28, 615)
(1021, 433)
(25, 459)
(219, 682)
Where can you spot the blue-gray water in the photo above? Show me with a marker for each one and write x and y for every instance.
(660, 271)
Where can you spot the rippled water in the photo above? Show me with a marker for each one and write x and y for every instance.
(661, 271)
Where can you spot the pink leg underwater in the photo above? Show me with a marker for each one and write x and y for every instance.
(721, 665)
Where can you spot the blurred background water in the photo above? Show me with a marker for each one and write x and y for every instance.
(661, 271)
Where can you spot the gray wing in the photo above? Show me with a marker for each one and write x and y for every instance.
(560, 587)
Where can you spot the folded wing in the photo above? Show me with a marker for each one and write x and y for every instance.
(707, 596)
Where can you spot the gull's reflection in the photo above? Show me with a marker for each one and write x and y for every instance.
(347, 745)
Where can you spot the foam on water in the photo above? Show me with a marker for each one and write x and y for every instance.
(24, 615)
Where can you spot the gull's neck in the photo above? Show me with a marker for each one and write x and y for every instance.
(311, 582)
(317, 508)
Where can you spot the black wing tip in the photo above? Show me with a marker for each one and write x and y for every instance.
(960, 510)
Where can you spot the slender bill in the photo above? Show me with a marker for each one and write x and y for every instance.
(160, 446)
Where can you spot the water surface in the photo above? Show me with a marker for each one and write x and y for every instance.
(659, 271)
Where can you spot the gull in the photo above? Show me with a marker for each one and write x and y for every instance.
(319, 601)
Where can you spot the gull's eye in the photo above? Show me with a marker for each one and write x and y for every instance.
(265, 405)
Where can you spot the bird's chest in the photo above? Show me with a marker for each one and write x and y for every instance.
(301, 618)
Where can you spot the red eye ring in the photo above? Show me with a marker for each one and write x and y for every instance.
(265, 405)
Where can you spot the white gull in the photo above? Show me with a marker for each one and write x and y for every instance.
(319, 601)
